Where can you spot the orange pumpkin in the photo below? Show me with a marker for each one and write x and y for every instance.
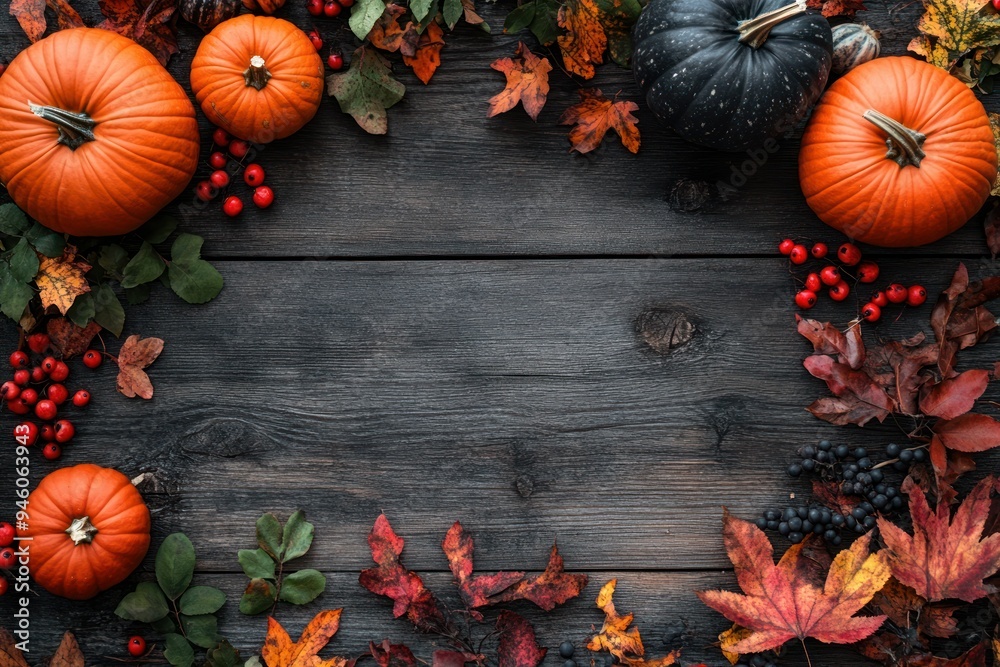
(95, 136)
(897, 153)
(257, 77)
(89, 529)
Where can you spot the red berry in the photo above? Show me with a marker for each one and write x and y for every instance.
(840, 291)
(60, 372)
(64, 430)
(849, 254)
(346, 4)
(7, 558)
(220, 137)
(253, 175)
(805, 299)
(233, 206)
(92, 358)
(219, 178)
(218, 160)
(9, 391)
(819, 250)
(81, 398)
(204, 191)
(18, 406)
(136, 646)
(3, 580)
(46, 410)
(830, 276)
(996, 5)
(335, 61)
(38, 342)
(332, 9)
(19, 359)
(813, 283)
(29, 396)
(263, 196)
(6, 534)
(871, 312)
(57, 393)
(316, 40)
(916, 296)
(879, 299)
(38, 375)
(867, 271)
(52, 451)
(22, 377)
(238, 148)
(315, 7)
(25, 433)
(896, 293)
(799, 254)
(785, 247)
(47, 433)
(48, 364)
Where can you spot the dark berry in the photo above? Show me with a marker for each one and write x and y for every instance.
(794, 470)
(892, 450)
(906, 456)
(566, 649)
(919, 455)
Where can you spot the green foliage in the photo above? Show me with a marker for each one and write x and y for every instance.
(265, 565)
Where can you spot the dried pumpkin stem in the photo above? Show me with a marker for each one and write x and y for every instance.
(256, 75)
(75, 129)
(81, 531)
(904, 145)
(756, 30)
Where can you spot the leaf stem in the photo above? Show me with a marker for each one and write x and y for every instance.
(806, 651)
(277, 587)
(177, 618)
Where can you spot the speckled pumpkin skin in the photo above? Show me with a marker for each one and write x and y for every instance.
(715, 91)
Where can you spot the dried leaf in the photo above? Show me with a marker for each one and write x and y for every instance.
(147, 22)
(518, 646)
(137, 354)
(618, 638)
(280, 651)
(992, 221)
(832, 8)
(68, 654)
(388, 654)
(475, 591)
(61, 279)
(389, 35)
(790, 600)
(944, 558)
(549, 589)
(10, 655)
(30, 14)
(974, 657)
(428, 53)
(863, 399)
(952, 28)
(829, 494)
(585, 41)
(527, 83)
(68, 339)
(955, 396)
(442, 658)
(594, 115)
(366, 90)
(970, 432)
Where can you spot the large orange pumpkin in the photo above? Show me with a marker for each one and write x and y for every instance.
(258, 77)
(89, 529)
(897, 153)
(95, 136)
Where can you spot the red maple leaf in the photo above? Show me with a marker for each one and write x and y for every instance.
(518, 646)
(387, 654)
(476, 591)
(147, 22)
(549, 589)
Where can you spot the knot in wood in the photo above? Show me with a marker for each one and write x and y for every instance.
(688, 196)
(665, 330)
(524, 486)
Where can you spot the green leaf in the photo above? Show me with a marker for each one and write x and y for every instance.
(178, 651)
(297, 537)
(452, 12)
(269, 535)
(138, 295)
(420, 8)
(201, 630)
(258, 597)
(23, 262)
(201, 600)
(222, 654)
(432, 12)
(366, 90)
(113, 259)
(545, 25)
(256, 563)
(519, 18)
(302, 586)
(82, 310)
(158, 229)
(108, 311)
(617, 17)
(175, 564)
(163, 626)
(191, 278)
(13, 221)
(364, 14)
(45, 240)
(253, 662)
(146, 604)
(145, 267)
(14, 295)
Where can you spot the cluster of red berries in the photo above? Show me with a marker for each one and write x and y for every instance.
(328, 8)
(334, 61)
(832, 277)
(253, 174)
(7, 556)
(41, 389)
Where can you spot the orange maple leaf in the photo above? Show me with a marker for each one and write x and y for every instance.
(387, 34)
(620, 640)
(594, 115)
(585, 41)
(30, 14)
(791, 599)
(61, 279)
(280, 651)
(428, 55)
(527, 83)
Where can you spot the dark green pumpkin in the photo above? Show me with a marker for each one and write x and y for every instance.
(724, 75)
(206, 14)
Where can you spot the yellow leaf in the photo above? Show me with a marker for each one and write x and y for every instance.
(618, 639)
(952, 28)
(280, 651)
(730, 638)
(60, 280)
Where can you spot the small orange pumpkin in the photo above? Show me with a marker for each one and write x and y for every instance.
(897, 153)
(95, 136)
(257, 77)
(89, 529)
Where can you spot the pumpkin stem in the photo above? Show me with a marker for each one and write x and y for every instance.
(81, 531)
(256, 75)
(903, 143)
(756, 30)
(75, 129)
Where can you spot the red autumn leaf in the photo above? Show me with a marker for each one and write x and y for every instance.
(828, 339)
(830, 495)
(527, 83)
(137, 354)
(549, 589)
(427, 57)
(405, 588)
(68, 339)
(442, 658)
(846, 410)
(945, 557)
(992, 228)
(971, 432)
(147, 22)
(955, 396)
(791, 599)
(836, 7)
(594, 115)
(518, 647)
(862, 399)
(30, 14)
(387, 654)
(959, 319)
(476, 591)
(974, 657)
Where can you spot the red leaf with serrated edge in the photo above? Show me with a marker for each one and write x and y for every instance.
(828, 339)
(855, 388)
(387, 654)
(955, 396)
(945, 557)
(971, 432)
(476, 591)
(442, 658)
(405, 588)
(549, 589)
(846, 410)
(518, 647)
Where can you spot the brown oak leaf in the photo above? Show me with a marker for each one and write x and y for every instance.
(61, 279)
(585, 41)
(280, 651)
(549, 589)
(30, 14)
(428, 53)
(619, 637)
(68, 339)
(594, 115)
(476, 591)
(137, 353)
(387, 33)
(527, 83)
(147, 22)
(518, 646)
